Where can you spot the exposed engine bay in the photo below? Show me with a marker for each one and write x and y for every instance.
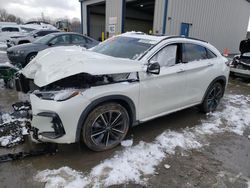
(79, 81)
(240, 65)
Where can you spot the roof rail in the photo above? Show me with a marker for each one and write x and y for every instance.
(178, 36)
(181, 36)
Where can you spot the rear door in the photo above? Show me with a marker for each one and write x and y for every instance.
(200, 70)
(79, 40)
(61, 40)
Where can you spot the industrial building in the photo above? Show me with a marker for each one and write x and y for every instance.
(223, 23)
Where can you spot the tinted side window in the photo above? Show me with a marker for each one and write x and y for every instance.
(88, 40)
(10, 29)
(62, 39)
(76, 39)
(166, 57)
(193, 52)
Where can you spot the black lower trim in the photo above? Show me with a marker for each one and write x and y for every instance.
(57, 125)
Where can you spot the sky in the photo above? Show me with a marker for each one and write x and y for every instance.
(28, 9)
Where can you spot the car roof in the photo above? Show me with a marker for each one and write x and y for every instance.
(141, 35)
(72, 33)
(157, 38)
(63, 33)
(46, 30)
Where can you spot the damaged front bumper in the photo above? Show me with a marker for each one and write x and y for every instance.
(54, 121)
(240, 66)
(240, 72)
(56, 125)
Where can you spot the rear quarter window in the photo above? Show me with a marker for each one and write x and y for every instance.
(194, 52)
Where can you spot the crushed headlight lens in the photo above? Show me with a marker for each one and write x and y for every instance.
(61, 95)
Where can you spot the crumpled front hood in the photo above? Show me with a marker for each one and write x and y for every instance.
(54, 64)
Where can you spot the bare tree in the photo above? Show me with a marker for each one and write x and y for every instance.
(6, 17)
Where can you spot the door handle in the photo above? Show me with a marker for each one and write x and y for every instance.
(181, 71)
(210, 64)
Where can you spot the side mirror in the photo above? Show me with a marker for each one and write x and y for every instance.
(35, 35)
(154, 68)
(50, 44)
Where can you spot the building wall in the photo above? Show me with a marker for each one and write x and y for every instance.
(84, 13)
(223, 23)
(97, 26)
(114, 10)
(158, 16)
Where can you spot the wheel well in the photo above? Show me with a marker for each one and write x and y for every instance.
(221, 80)
(124, 101)
(126, 106)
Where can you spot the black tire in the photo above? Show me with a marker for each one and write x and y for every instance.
(30, 57)
(212, 98)
(105, 127)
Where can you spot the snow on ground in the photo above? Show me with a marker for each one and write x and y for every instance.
(135, 163)
(127, 143)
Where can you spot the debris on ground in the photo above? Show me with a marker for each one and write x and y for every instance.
(127, 143)
(50, 149)
(167, 166)
(14, 126)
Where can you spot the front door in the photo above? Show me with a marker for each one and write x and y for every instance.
(165, 92)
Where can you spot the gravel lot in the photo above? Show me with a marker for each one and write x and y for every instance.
(183, 149)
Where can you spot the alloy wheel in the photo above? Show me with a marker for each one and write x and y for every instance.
(108, 128)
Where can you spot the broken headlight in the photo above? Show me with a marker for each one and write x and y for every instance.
(61, 95)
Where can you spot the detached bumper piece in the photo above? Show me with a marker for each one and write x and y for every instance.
(50, 149)
(21, 106)
(57, 126)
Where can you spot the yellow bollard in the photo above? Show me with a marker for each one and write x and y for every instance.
(103, 37)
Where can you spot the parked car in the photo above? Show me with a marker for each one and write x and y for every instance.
(240, 66)
(37, 25)
(95, 96)
(9, 30)
(24, 53)
(30, 37)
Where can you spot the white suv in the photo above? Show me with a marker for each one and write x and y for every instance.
(95, 95)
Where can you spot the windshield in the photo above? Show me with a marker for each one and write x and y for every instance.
(45, 39)
(124, 47)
